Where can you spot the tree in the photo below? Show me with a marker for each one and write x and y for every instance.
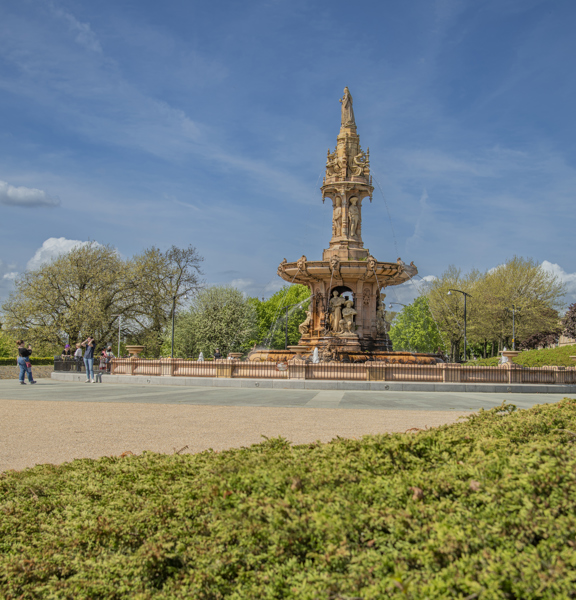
(161, 279)
(218, 317)
(415, 330)
(271, 313)
(75, 295)
(569, 322)
(448, 311)
(543, 339)
(7, 345)
(523, 283)
(84, 291)
(534, 292)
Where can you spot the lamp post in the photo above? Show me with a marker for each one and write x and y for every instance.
(119, 331)
(173, 313)
(513, 311)
(465, 296)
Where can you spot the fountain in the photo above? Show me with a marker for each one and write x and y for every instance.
(346, 319)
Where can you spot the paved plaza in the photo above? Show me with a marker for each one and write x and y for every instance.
(55, 422)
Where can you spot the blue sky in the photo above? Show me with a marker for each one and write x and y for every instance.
(138, 123)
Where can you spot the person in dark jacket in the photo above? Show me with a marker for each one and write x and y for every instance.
(24, 362)
(217, 355)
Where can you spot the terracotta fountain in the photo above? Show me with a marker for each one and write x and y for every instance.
(346, 318)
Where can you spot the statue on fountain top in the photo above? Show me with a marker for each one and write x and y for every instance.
(348, 119)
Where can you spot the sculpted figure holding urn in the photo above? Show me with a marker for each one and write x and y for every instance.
(336, 303)
(353, 216)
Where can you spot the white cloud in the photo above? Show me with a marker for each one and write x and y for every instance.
(52, 248)
(569, 279)
(10, 276)
(22, 196)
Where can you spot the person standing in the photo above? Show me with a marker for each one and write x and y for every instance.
(66, 352)
(89, 358)
(217, 355)
(78, 357)
(24, 362)
(109, 357)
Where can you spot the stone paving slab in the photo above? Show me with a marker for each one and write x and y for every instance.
(55, 422)
(315, 384)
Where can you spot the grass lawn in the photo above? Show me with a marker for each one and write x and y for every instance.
(482, 509)
(552, 357)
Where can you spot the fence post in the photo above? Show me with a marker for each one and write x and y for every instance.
(451, 373)
(375, 372)
(514, 373)
(296, 369)
(167, 367)
(560, 374)
(224, 368)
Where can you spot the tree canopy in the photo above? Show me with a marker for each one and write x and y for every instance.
(414, 330)
(85, 291)
(272, 316)
(218, 317)
(520, 284)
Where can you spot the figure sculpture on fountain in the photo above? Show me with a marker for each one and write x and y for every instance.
(348, 322)
(353, 216)
(304, 327)
(337, 217)
(348, 119)
(336, 303)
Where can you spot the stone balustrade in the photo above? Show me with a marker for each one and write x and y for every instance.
(369, 371)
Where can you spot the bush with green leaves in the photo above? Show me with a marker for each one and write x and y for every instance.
(35, 360)
(218, 317)
(548, 357)
(482, 509)
(414, 329)
(272, 314)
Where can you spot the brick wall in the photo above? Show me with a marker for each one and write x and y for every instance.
(38, 371)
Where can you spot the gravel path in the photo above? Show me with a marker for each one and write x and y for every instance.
(46, 431)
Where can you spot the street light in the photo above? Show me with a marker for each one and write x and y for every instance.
(513, 311)
(173, 312)
(465, 296)
(119, 326)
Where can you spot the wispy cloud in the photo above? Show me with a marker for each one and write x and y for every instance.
(25, 197)
(84, 34)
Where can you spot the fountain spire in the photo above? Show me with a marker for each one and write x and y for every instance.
(347, 314)
(347, 182)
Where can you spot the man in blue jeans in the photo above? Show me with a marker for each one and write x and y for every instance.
(89, 358)
(24, 362)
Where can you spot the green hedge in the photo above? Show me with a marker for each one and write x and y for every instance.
(553, 357)
(483, 509)
(35, 360)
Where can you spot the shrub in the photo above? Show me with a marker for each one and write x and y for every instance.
(481, 509)
(36, 360)
(552, 357)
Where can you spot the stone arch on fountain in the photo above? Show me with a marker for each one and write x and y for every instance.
(343, 290)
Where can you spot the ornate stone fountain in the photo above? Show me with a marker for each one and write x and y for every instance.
(346, 319)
